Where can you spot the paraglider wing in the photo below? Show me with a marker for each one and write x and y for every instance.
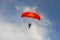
(31, 15)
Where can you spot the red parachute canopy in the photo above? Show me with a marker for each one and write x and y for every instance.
(31, 15)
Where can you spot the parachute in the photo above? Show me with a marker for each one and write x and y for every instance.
(31, 15)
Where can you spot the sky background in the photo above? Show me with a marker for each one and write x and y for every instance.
(14, 27)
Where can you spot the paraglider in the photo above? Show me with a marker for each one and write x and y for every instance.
(31, 15)
(29, 25)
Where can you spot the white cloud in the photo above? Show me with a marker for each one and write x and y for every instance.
(34, 32)
(26, 8)
(32, 9)
(9, 31)
(45, 21)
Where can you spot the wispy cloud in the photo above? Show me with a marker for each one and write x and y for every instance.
(9, 31)
(38, 30)
(26, 8)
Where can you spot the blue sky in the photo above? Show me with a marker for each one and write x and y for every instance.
(11, 10)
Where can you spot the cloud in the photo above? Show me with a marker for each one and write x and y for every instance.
(10, 31)
(38, 30)
(32, 9)
(26, 8)
(34, 32)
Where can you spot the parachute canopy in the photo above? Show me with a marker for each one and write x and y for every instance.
(31, 15)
